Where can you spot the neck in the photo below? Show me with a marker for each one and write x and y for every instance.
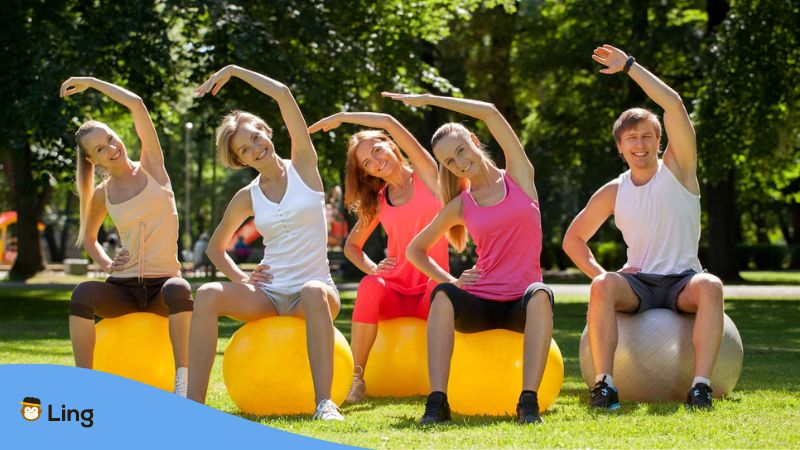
(399, 179)
(272, 169)
(487, 175)
(642, 175)
(122, 171)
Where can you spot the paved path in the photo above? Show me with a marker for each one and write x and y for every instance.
(731, 291)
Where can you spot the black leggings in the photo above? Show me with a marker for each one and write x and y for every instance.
(474, 314)
(118, 296)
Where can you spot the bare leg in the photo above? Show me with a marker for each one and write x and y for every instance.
(441, 333)
(319, 306)
(609, 293)
(538, 333)
(240, 301)
(703, 296)
(179, 325)
(362, 337)
(81, 332)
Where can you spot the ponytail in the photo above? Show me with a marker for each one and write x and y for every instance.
(84, 179)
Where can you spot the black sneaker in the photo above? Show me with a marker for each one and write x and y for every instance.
(528, 408)
(699, 397)
(436, 409)
(604, 396)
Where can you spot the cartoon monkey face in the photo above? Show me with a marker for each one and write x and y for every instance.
(31, 412)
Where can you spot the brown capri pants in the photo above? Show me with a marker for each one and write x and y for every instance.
(118, 296)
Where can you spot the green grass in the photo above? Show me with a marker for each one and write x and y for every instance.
(759, 413)
(791, 277)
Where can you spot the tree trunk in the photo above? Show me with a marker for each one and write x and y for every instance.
(29, 203)
(722, 218)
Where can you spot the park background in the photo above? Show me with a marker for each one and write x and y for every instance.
(735, 63)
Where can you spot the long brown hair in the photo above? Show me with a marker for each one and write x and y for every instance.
(84, 175)
(450, 185)
(362, 190)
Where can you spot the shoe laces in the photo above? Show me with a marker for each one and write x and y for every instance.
(702, 390)
(600, 388)
(327, 409)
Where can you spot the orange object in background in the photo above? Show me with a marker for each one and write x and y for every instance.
(8, 248)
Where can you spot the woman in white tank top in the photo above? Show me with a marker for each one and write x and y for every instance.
(287, 200)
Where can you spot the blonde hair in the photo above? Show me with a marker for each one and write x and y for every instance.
(361, 189)
(450, 185)
(226, 130)
(631, 118)
(84, 175)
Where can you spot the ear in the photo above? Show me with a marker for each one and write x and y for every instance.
(475, 139)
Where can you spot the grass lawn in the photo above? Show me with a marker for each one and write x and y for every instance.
(759, 413)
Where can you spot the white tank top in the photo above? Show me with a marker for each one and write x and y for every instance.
(295, 232)
(660, 222)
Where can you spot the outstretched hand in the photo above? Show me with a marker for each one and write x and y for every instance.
(327, 124)
(74, 85)
(215, 82)
(613, 58)
(409, 99)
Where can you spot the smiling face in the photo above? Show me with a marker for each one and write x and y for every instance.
(459, 154)
(252, 144)
(102, 146)
(638, 145)
(376, 157)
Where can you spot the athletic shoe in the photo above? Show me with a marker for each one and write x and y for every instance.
(181, 383)
(604, 396)
(436, 409)
(528, 409)
(358, 391)
(699, 397)
(327, 410)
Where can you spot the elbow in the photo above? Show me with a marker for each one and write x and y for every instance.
(412, 254)
(350, 251)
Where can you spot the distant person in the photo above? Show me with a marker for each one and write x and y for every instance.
(241, 251)
(656, 206)
(201, 264)
(145, 275)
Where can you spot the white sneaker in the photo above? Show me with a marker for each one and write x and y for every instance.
(327, 410)
(181, 382)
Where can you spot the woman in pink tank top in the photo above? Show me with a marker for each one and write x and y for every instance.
(145, 275)
(382, 187)
(500, 210)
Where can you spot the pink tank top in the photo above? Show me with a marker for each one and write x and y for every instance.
(508, 240)
(402, 223)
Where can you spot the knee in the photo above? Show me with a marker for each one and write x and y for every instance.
(604, 289)
(82, 303)
(313, 295)
(539, 305)
(371, 287)
(176, 291)
(441, 304)
(709, 288)
(208, 298)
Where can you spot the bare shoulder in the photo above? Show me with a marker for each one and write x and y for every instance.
(605, 197)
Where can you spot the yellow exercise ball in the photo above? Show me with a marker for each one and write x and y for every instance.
(266, 368)
(136, 346)
(398, 362)
(486, 374)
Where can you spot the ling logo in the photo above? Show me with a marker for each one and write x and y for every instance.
(31, 408)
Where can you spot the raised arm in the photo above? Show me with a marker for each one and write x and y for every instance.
(585, 225)
(422, 161)
(239, 209)
(680, 154)
(152, 158)
(518, 165)
(304, 157)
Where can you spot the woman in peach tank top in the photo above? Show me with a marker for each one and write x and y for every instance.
(145, 275)
(383, 187)
(500, 210)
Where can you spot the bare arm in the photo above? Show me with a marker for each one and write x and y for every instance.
(94, 219)
(585, 225)
(239, 209)
(417, 252)
(353, 247)
(518, 165)
(304, 157)
(152, 158)
(422, 161)
(681, 152)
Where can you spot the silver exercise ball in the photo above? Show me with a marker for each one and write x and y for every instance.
(654, 360)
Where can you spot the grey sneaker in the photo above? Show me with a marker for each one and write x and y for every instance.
(358, 391)
(181, 382)
(327, 410)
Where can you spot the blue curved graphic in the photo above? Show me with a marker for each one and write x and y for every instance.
(92, 409)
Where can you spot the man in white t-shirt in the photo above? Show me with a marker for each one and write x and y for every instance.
(656, 206)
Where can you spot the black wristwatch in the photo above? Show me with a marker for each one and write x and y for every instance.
(628, 64)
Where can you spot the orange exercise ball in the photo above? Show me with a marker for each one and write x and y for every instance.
(266, 368)
(398, 362)
(486, 374)
(136, 346)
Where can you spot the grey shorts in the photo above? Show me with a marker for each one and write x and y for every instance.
(284, 303)
(656, 290)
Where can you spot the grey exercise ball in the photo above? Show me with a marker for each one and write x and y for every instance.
(654, 360)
